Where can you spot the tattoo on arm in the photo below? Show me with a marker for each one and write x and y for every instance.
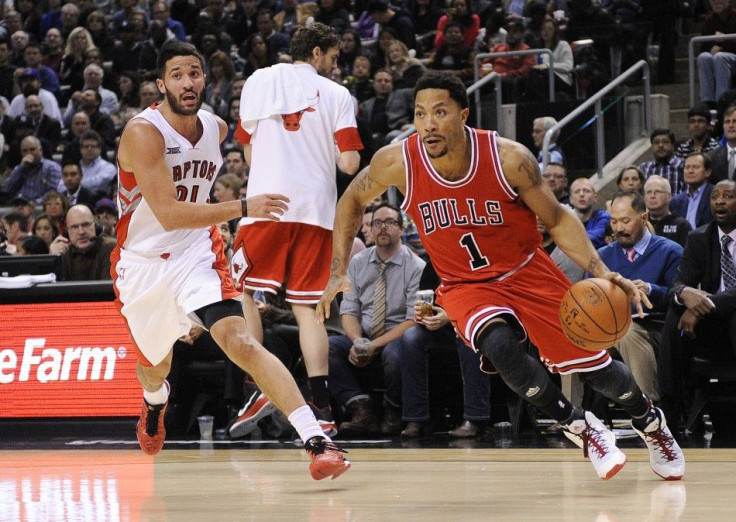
(363, 181)
(530, 168)
(594, 262)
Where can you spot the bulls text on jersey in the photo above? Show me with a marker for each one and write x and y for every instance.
(444, 213)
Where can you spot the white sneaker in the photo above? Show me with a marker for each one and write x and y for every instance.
(598, 444)
(665, 455)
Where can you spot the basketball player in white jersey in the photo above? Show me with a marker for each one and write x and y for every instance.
(169, 268)
(296, 124)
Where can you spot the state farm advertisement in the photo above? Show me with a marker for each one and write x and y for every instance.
(66, 360)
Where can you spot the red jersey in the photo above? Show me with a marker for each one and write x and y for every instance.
(475, 228)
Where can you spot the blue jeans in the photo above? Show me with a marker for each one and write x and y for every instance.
(715, 71)
(476, 385)
(343, 383)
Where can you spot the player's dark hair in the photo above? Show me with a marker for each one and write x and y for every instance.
(444, 80)
(637, 200)
(307, 37)
(172, 49)
(400, 216)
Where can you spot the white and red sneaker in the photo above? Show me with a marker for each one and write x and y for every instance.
(665, 455)
(598, 444)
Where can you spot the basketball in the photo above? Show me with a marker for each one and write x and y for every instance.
(595, 313)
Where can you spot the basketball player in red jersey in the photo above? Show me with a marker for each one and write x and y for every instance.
(169, 268)
(474, 196)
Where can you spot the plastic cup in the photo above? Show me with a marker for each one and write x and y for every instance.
(361, 348)
(205, 426)
(427, 299)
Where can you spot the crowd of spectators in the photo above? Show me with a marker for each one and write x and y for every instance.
(72, 74)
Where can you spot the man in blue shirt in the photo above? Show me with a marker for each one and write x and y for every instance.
(694, 204)
(584, 198)
(36, 175)
(651, 262)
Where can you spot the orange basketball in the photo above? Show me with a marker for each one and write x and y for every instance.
(595, 313)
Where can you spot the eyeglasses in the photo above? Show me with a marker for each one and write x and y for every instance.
(555, 176)
(90, 146)
(378, 223)
(655, 192)
(78, 226)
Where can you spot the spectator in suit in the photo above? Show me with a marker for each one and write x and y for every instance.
(651, 262)
(657, 197)
(694, 205)
(723, 159)
(701, 319)
(717, 60)
(698, 125)
(556, 175)
(665, 162)
(540, 126)
(45, 128)
(71, 179)
(389, 112)
(93, 78)
(584, 198)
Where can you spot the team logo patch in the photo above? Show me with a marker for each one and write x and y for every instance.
(173, 150)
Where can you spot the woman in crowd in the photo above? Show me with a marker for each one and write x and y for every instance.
(55, 206)
(32, 246)
(97, 27)
(459, 12)
(538, 79)
(350, 47)
(78, 45)
(220, 82)
(44, 228)
(256, 54)
(405, 69)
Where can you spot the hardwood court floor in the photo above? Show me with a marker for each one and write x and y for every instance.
(384, 484)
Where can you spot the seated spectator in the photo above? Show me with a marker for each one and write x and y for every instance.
(98, 174)
(14, 226)
(665, 162)
(512, 69)
(651, 262)
(127, 50)
(71, 72)
(35, 175)
(45, 128)
(633, 30)
(160, 11)
(106, 216)
(89, 101)
(256, 53)
(698, 125)
(32, 246)
(350, 48)
(391, 17)
(294, 13)
(458, 11)
(7, 70)
(377, 52)
(30, 84)
(583, 198)
(694, 204)
(702, 299)
(53, 50)
(717, 60)
(723, 159)
(657, 196)
(405, 69)
(556, 175)
(69, 19)
(51, 18)
(630, 178)
(219, 83)
(278, 43)
(71, 185)
(379, 306)
(55, 206)
(333, 15)
(85, 256)
(158, 35)
(101, 37)
(453, 55)
(18, 42)
(540, 126)
(24, 126)
(45, 229)
(130, 101)
(70, 142)
(33, 60)
(537, 87)
(359, 83)
(426, 15)
(389, 112)
(235, 164)
(93, 77)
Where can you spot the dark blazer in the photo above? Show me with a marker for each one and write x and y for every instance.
(701, 265)
(49, 129)
(399, 108)
(703, 216)
(719, 165)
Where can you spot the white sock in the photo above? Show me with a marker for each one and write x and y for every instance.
(160, 396)
(306, 424)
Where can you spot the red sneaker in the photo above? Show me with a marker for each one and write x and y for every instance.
(150, 430)
(327, 460)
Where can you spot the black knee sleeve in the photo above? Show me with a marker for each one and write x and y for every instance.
(617, 383)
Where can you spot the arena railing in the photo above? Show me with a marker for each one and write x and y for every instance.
(691, 57)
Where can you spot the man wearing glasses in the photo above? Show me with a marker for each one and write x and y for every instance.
(85, 256)
(379, 306)
(556, 175)
(657, 196)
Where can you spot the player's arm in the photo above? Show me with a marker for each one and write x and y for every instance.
(386, 169)
(349, 161)
(521, 170)
(141, 152)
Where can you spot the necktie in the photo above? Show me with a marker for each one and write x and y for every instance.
(631, 254)
(378, 322)
(728, 271)
(731, 163)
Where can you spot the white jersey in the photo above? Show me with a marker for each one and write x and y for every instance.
(193, 169)
(295, 154)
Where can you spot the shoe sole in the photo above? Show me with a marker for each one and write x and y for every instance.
(244, 427)
(612, 472)
(333, 471)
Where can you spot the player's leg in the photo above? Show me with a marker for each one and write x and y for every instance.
(150, 429)
(252, 316)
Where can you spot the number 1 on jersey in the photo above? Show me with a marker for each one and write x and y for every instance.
(477, 260)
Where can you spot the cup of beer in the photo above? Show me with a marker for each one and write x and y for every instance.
(361, 348)
(426, 297)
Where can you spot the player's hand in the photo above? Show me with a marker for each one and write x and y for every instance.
(687, 323)
(335, 285)
(697, 301)
(635, 294)
(267, 206)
